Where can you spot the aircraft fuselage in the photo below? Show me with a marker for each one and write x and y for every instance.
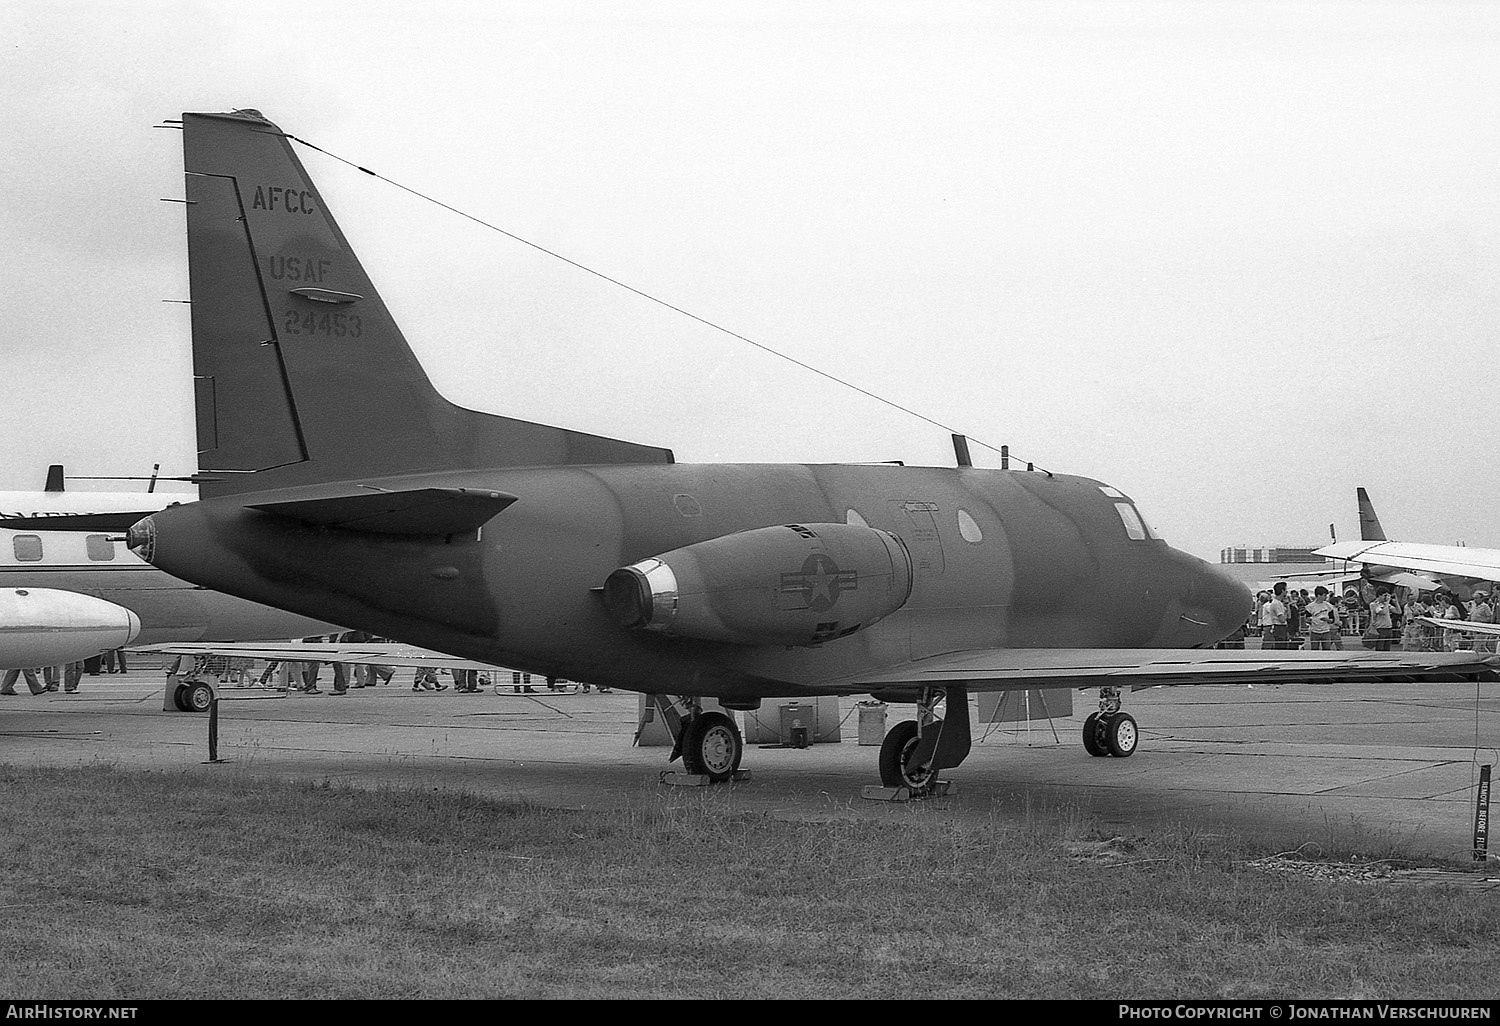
(998, 559)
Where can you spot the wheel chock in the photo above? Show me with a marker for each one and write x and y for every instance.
(938, 789)
(674, 779)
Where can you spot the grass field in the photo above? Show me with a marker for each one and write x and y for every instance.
(139, 885)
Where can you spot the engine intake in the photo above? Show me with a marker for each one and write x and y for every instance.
(791, 585)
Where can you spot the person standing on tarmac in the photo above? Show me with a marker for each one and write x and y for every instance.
(310, 669)
(341, 670)
(1293, 604)
(1322, 621)
(1482, 612)
(11, 676)
(1380, 621)
(1272, 623)
(426, 679)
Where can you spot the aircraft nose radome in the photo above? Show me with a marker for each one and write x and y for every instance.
(133, 626)
(141, 539)
(1229, 601)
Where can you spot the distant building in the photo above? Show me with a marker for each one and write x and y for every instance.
(1272, 554)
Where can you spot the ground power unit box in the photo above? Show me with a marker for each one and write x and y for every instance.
(795, 721)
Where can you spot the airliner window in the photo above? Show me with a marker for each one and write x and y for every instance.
(28, 548)
(100, 547)
(1131, 520)
(968, 528)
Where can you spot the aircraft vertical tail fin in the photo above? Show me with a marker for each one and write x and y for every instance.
(1369, 523)
(302, 376)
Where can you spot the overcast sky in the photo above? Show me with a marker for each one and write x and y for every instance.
(1234, 258)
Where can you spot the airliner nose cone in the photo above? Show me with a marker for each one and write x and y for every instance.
(133, 629)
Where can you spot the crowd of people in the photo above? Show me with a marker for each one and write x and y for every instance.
(300, 675)
(1382, 617)
(65, 677)
(303, 675)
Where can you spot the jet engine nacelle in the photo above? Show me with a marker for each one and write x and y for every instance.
(792, 585)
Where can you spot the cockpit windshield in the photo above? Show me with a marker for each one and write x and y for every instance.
(1136, 527)
(1132, 521)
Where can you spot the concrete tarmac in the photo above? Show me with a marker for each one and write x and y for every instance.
(1370, 768)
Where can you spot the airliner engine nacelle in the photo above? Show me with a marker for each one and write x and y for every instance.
(792, 585)
(45, 627)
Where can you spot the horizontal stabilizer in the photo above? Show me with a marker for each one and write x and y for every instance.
(106, 522)
(419, 511)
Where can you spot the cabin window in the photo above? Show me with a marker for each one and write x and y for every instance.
(1132, 521)
(100, 547)
(968, 528)
(852, 517)
(28, 548)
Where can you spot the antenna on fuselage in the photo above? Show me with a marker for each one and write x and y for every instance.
(961, 451)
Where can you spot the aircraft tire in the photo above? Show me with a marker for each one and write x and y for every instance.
(690, 762)
(1093, 737)
(897, 745)
(713, 747)
(180, 698)
(1121, 734)
(199, 697)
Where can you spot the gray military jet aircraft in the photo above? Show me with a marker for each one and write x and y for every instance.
(578, 556)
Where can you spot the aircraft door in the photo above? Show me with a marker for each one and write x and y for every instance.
(915, 521)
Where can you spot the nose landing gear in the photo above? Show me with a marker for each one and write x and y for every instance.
(1110, 731)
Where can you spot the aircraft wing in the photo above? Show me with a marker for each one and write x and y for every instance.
(1462, 625)
(382, 652)
(1444, 560)
(1007, 668)
(1000, 669)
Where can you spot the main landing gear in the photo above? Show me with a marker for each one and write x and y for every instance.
(191, 696)
(1110, 731)
(914, 751)
(708, 742)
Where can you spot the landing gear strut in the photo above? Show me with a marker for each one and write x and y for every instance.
(708, 742)
(915, 750)
(1110, 731)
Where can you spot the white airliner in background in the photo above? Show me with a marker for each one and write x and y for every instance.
(95, 564)
(1413, 564)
